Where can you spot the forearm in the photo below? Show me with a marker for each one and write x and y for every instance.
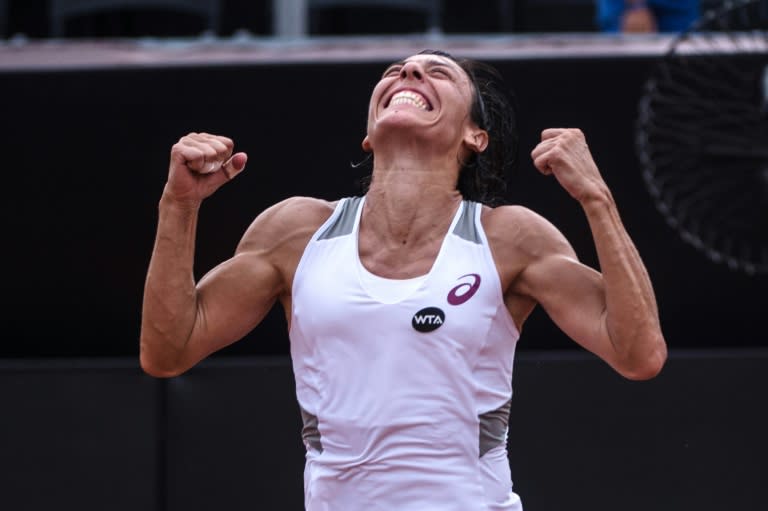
(631, 314)
(170, 297)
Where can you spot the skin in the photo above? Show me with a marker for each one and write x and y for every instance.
(638, 18)
(408, 209)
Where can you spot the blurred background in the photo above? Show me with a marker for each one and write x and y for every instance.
(671, 95)
(224, 18)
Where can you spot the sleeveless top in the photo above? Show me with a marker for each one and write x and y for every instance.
(404, 386)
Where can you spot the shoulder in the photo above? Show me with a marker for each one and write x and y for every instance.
(298, 209)
(523, 231)
(523, 243)
(286, 224)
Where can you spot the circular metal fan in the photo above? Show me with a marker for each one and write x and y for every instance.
(702, 135)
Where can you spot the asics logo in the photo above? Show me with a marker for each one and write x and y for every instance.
(464, 291)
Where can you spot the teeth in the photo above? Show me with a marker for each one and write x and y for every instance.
(409, 98)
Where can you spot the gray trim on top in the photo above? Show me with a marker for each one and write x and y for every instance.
(344, 222)
(493, 427)
(465, 227)
(310, 432)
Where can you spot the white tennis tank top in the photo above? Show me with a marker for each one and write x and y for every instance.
(404, 386)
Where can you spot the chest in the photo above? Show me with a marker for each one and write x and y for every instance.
(395, 260)
(448, 309)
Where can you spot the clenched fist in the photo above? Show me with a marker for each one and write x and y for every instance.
(200, 164)
(563, 152)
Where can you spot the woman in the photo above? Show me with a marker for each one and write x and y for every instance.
(404, 305)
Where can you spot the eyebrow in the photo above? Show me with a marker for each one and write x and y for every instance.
(428, 63)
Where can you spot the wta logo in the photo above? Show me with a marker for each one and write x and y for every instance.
(427, 320)
(464, 291)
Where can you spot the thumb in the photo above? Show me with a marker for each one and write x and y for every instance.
(234, 165)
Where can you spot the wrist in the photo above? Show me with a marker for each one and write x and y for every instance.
(169, 201)
(599, 198)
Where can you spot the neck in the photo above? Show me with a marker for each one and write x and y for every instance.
(407, 206)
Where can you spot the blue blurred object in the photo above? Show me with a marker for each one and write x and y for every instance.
(670, 15)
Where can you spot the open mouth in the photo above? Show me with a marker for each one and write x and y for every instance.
(409, 97)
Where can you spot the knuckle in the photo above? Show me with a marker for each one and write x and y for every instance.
(179, 148)
(186, 138)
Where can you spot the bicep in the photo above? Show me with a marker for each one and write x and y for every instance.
(573, 296)
(231, 300)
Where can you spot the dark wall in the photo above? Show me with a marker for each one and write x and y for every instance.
(86, 154)
(99, 434)
(80, 435)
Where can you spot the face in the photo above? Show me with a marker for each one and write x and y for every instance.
(430, 93)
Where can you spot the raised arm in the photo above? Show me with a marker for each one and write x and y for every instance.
(613, 312)
(182, 322)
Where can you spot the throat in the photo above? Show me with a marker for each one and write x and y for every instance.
(401, 251)
(401, 214)
(401, 238)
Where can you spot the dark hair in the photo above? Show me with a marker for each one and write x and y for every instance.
(483, 177)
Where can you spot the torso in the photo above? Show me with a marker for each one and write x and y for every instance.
(355, 337)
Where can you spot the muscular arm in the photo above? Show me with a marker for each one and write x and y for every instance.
(630, 318)
(612, 313)
(183, 321)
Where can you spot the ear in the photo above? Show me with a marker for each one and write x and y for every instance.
(476, 139)
(367, 147)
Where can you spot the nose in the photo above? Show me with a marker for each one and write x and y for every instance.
(411, 70)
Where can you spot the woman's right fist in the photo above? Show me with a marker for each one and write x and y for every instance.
(200, 164)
